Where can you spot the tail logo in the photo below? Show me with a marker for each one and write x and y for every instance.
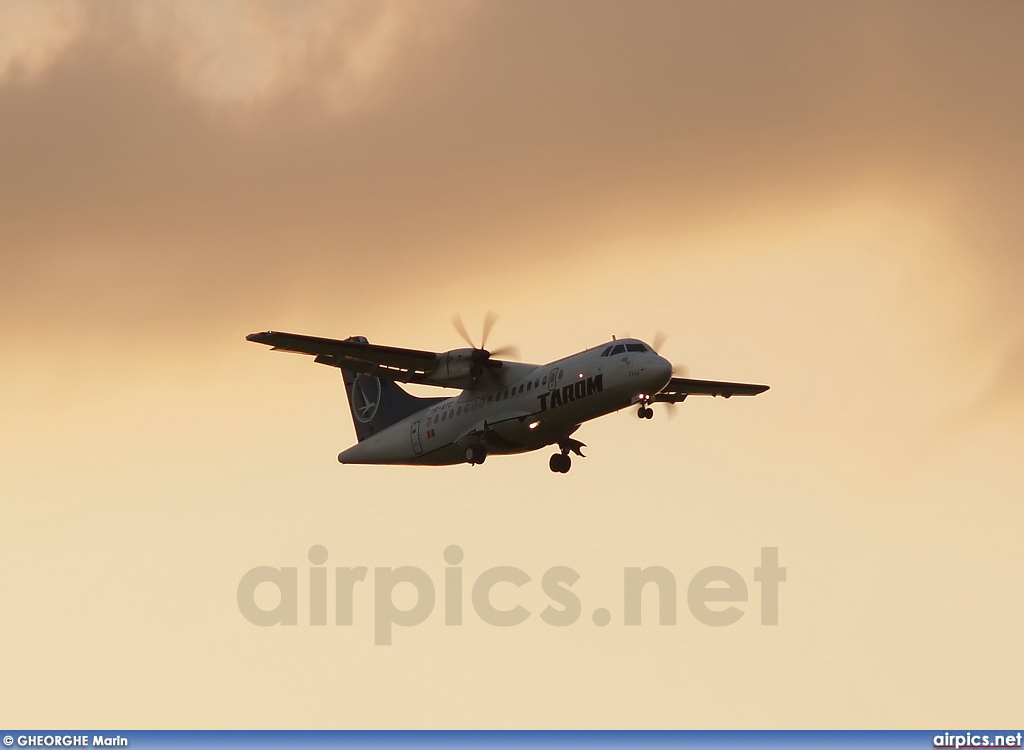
(366, 391)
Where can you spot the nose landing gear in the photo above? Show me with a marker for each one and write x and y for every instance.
(645, 411)
(560, 463)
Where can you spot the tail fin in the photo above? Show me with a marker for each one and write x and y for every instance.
(377, 403)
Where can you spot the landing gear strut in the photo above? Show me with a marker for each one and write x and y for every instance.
(560, 463)
(476, 454)
(645, 411)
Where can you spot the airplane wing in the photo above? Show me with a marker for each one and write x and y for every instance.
(455, 369)
(393, 363)
(679, 388)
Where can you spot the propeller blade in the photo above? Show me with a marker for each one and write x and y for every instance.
(489, 319)
(659, 340)
(481, 355)
(506, 351)
(461, 329)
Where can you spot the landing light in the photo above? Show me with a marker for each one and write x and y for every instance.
(534, 425)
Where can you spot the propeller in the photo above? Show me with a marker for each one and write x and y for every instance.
(480, 353)
(660, 337)
(489, 320)
(659, 340)
(461, 329)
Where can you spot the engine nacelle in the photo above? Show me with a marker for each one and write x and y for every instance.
(459, 366)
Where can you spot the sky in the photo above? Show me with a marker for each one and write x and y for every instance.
(820, 197)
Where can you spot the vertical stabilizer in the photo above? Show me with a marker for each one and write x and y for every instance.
(377, 403)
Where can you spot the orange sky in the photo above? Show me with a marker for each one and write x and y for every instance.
(821, 198)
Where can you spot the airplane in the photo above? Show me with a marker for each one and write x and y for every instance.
(504, 407)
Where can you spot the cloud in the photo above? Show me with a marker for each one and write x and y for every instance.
(34, 34)
(232, 51)
(174, 160)
(823, 197)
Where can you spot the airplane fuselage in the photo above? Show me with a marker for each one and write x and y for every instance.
(519, 407)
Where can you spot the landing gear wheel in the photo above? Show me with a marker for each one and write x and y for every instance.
(645, 412)
(650, 413)
(475, 454)
(560, 463)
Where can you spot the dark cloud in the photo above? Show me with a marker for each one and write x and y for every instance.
(126, 192)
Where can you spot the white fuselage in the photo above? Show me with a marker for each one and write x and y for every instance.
(520, 407)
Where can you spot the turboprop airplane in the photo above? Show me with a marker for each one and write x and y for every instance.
(505, 407)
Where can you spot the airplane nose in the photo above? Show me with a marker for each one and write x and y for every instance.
(662, 368)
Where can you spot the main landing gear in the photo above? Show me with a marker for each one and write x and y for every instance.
(476, 454)
(560, 463)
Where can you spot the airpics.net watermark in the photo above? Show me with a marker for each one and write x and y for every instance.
(706, 592)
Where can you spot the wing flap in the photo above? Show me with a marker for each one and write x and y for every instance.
(679, 388)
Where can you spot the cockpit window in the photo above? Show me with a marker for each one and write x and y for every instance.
(617, 349)
(607, 351)
(635, 348)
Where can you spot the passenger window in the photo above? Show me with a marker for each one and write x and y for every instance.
(444, 416)
(618, 349)
(459, 411)
(536, 383)
(544, 380)
(528, 385)
(506, 393)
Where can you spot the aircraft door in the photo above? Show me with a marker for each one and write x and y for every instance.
(414, 435)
